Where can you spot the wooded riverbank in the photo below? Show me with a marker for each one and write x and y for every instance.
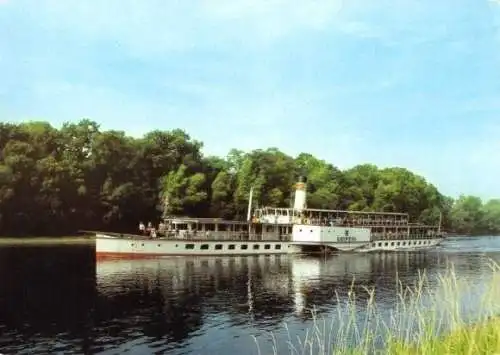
(58, 181)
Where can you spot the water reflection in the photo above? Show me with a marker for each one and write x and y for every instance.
(61, 299)
(46, 299)
(171, 299)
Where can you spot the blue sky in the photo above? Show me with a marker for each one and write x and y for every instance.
(413, 83)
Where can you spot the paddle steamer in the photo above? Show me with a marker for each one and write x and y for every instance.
(272, 230)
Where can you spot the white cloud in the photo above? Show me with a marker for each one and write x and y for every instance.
(159, 27)
(274, 18)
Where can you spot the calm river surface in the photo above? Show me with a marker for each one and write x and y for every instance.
(60, 300)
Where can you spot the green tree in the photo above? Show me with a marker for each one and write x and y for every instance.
(466, 214)
(81, 177)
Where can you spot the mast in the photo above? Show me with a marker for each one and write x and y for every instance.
(440, 221)
(250, 197)
(165, 206)
(249, 212)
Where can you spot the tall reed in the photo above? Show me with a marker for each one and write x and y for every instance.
(442, 315)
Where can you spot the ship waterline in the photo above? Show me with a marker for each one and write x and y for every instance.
(114, 246)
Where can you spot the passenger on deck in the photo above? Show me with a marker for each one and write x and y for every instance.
(142, 228)
(152, 233)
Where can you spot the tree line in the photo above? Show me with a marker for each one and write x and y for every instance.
(57, 181)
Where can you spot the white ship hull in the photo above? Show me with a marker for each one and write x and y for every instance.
(401, 245)
(109, 245)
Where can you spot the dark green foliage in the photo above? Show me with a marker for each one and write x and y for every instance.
(79, 177)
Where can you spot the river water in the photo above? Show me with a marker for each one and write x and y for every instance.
(61, 300)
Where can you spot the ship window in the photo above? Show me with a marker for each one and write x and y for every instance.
(189, 246)
(392, 244)
(142, 244)
(386, 244)
(379, 244)
(132, 244)
(399, 243)
(204, 247)
(159, 245)
(311, 230)
(300, 230)
(244, 246)
(231, 247)
(256, 246)
(346, 232)
(218, 246)
(267, 246)
(277, 246)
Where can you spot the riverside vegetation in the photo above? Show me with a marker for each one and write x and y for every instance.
(430, 318)
(56, 181)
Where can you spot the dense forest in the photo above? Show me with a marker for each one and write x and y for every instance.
(57, 181)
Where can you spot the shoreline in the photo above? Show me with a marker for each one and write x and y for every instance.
(482, 337)
(64, 240)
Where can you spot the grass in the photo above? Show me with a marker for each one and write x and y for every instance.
(480, 338)
(441, 316)
(38, 241)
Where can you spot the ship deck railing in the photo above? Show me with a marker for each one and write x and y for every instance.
(221, 236)
(405, 236)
